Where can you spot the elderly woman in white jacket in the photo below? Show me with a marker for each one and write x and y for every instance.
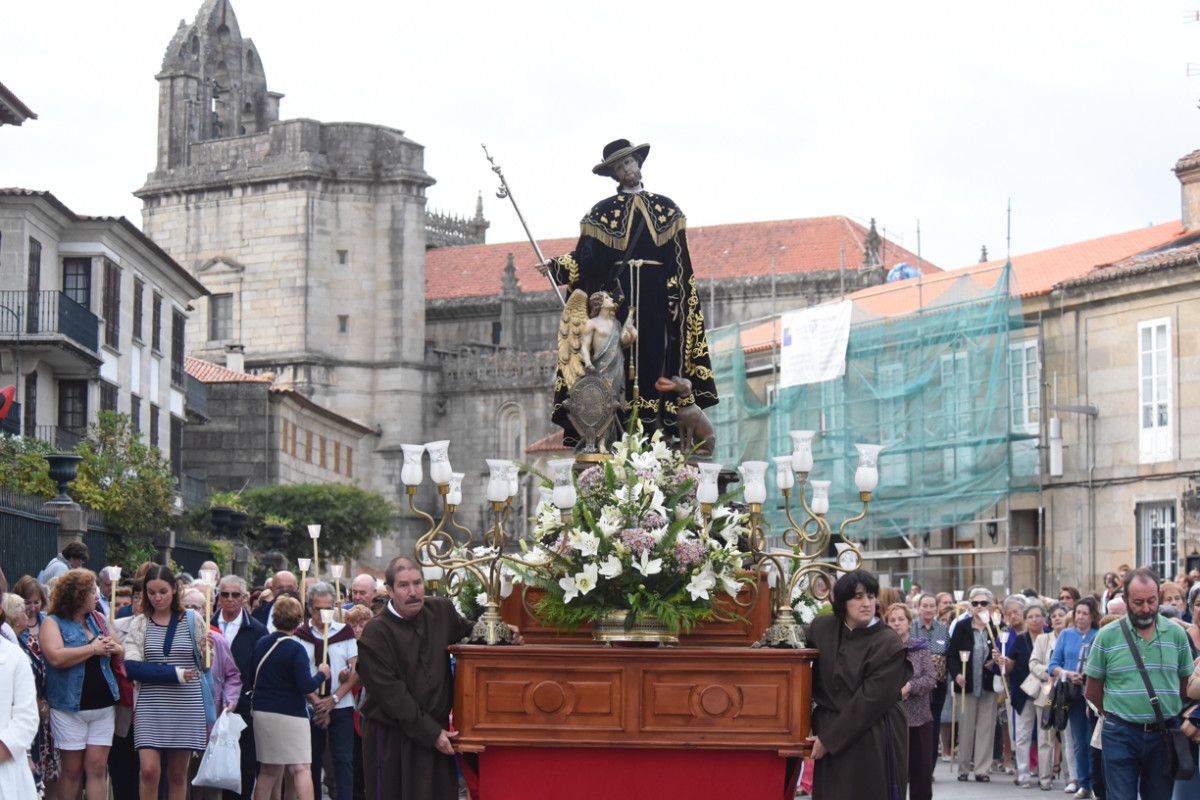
(18, 723)
(1043, 648)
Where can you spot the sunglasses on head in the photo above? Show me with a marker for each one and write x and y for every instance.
(980, 602)
(231, 594)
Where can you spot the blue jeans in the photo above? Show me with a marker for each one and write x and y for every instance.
(1134, 761)
(1081, 742)
(340, 735)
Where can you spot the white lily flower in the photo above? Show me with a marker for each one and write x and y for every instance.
(730, 585)
(570, 590)
(611, 567)
(481, 599)
(585, 542)
(628, 494)
(610, 521)
(586, 581)
(721, 512)
(645, 462)
(685, 510)
(648, 566)
(701, 583)
(658, 502)
(659, 448)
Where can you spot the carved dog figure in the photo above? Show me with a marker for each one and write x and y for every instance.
(695, 428)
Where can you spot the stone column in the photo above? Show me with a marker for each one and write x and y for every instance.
(72, 523)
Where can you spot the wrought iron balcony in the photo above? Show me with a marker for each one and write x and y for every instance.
(63, 440)
(38, 317)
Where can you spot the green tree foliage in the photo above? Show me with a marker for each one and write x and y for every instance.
(349, 517)
(124, 478)
(23, 467)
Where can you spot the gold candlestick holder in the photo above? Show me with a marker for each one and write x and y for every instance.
(804, 564)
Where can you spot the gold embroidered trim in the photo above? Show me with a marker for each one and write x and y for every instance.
(569, 263)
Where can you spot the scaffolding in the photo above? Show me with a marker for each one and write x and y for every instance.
(928, 370)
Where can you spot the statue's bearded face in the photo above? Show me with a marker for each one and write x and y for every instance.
(628, 172)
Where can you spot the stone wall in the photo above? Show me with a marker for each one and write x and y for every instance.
(234, 449)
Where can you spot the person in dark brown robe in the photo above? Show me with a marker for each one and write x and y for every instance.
(409, 691)
(860, 727)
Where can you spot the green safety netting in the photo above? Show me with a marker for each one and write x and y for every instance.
(927, 374)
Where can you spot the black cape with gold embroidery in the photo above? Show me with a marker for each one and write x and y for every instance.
(669, 321)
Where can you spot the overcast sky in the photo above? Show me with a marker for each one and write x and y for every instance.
(936, 112)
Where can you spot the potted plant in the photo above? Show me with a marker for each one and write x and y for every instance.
(222, 506)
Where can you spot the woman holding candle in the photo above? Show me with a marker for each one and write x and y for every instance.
(973, 686)
(80, 683)
(1070, 655)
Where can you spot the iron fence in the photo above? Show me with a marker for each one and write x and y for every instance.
(49, 312)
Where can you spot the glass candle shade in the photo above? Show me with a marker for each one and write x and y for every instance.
(439, 461)
(784, 477)
(820, 498)
(497, 485)
(754, 480)
(454, 496)
(866, 477)
(707, 490)
(802, 453)
(410, 472)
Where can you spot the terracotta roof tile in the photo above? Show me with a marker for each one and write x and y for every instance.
(548, 444)
(208, 372)
(1182, 251)
(718, 251)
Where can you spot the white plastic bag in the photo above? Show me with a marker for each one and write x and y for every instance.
(221, 767)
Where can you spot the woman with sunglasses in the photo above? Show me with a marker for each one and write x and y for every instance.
(977, 726)
(1070, 655)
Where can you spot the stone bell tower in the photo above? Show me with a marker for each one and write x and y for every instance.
(211, 86)
(311, 236)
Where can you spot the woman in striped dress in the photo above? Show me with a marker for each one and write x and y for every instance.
(162, 656)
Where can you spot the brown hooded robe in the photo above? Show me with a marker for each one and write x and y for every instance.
(859, 716)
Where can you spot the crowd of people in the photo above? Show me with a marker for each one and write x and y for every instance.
(1071, 693)
(120, 686)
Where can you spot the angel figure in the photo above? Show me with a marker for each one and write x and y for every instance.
(589, 346)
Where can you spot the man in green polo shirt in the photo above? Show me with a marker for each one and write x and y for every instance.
(1134, 758)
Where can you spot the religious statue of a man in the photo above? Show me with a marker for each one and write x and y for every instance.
(633, 245)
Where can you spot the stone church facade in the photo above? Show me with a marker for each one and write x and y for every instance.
(324, 263)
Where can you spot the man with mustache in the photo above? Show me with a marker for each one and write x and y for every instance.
(1134, 747)
(404, 668)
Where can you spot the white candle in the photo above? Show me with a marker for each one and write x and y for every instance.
(410, 472)
(866, 477)
(784, 477)
(754, 477)
(439, 461)
(707, 491)
(802, 454)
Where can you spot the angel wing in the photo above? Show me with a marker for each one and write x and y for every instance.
(570, 337)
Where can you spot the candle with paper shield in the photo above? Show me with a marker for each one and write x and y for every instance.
(754, 477)
(439, 461)
(410, 471)
(866, 477)
(379, 547)
(303, 564)
(802, 454)
(114, 576)
(314, 533)
(326, 621)
(337, 570)
(208, 577)
(563, 495)
(497, 485)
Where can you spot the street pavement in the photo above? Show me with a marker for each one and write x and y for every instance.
(1001, 787)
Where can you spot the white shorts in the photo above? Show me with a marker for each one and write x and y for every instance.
(76, 730)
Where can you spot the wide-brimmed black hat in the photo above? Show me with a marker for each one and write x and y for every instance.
(616, 150)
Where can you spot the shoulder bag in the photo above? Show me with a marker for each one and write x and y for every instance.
(117, 662)
(1178, 763)
(206, 687)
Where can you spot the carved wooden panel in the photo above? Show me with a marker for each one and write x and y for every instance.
(718, 697)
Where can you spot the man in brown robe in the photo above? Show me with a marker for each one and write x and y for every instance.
(405, 669)
(860, 727)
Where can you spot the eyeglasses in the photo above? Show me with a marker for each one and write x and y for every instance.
(981, 602)
(230, 594)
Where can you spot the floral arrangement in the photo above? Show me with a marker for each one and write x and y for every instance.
(635, 541)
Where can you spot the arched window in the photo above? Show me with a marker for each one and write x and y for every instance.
(510, 429)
